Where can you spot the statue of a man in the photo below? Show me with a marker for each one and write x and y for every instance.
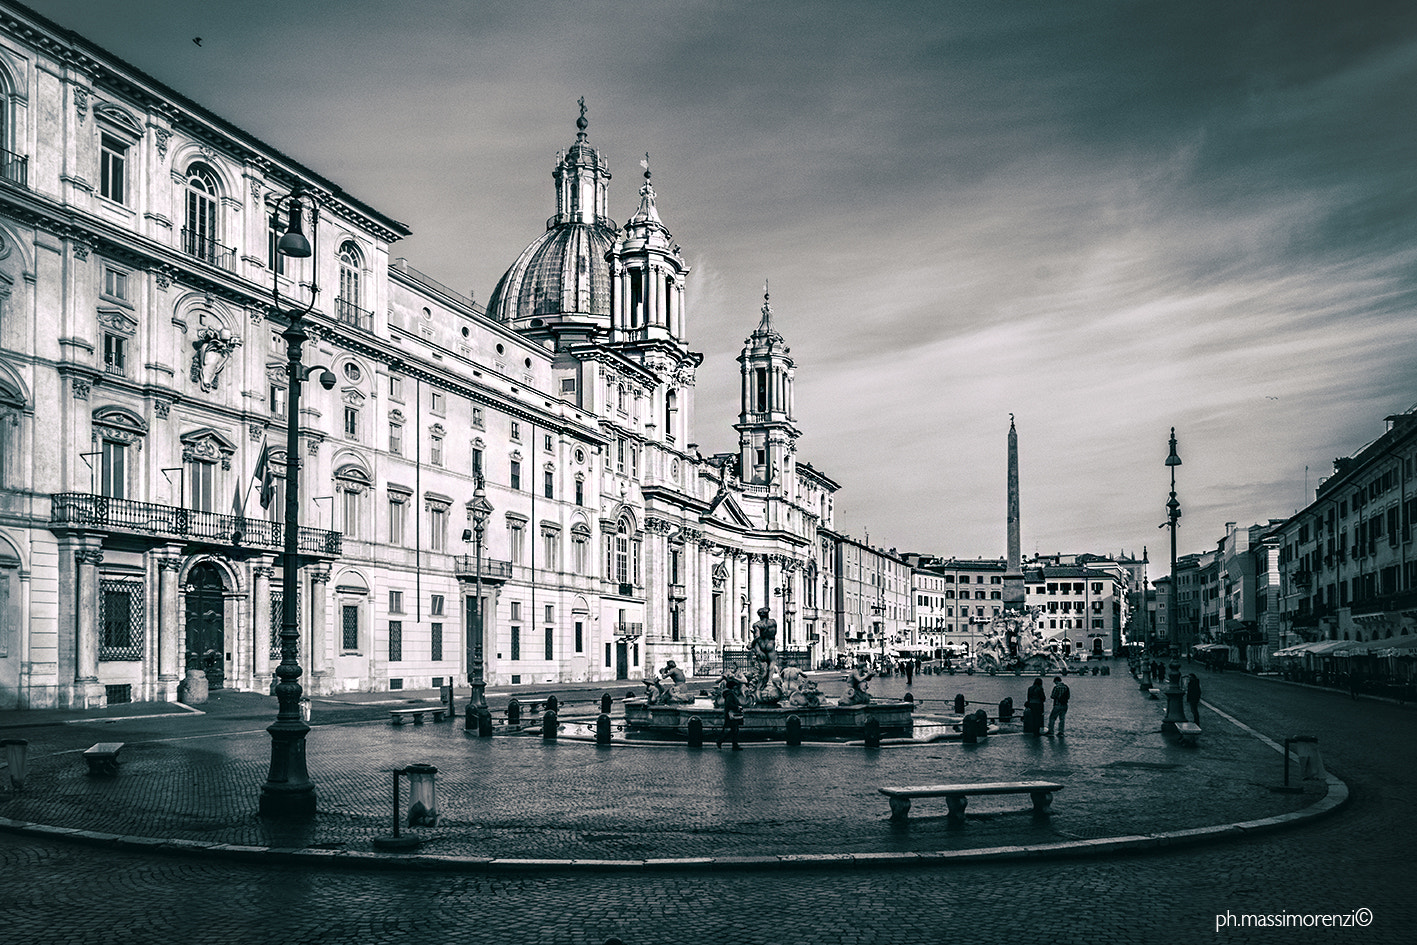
(764, 645)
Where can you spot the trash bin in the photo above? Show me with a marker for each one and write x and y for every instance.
(1306, 756)
(16, 754)
(422, 795)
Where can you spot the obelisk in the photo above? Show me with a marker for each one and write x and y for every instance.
(1013, 575)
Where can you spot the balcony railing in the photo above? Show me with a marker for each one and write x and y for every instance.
(131, 517)
(629, 631)
(208, 250)
(14, 167)
(348, 313)
(465, 566)
(1386, 603)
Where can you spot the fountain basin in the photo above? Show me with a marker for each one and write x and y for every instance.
(828, 721)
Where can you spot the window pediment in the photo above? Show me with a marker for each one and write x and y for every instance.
(117, 320)
(207, 446)
(119, 423)
(435, 502)
(396, 415)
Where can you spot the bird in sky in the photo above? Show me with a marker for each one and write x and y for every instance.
(197, 40)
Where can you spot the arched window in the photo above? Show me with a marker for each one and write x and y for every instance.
(350, 264)
(199, 233)
(622, 554)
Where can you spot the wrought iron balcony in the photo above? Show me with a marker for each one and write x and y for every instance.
(348, 313)
(629, 631)
(1385, 603)
(465, 566)
(208, 250)
(131, 517)
(14, 167)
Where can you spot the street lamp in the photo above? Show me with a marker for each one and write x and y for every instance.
(288, 791)
(1175, 713)
(478, 715)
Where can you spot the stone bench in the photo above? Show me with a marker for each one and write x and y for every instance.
(398, 715)
(957, 795)
(103, 757)
(1188, 733)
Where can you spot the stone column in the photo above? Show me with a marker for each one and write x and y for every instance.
(170, 631)
(261, 625)
(319, 662)
(88, 692)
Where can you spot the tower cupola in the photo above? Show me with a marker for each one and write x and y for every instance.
(648, 271)
(767, 426)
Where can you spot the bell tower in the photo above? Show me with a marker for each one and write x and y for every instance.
(647, 275)
(767, 428)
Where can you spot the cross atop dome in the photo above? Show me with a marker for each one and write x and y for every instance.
(581, 123)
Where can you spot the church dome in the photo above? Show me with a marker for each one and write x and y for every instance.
(563, 272)
(562, 280)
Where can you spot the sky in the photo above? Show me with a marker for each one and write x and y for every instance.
(1106, 218)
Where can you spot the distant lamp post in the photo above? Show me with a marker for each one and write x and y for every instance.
(288, 791)
(479, 717)
(1175, 712)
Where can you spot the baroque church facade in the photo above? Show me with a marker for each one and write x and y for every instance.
(143, 390)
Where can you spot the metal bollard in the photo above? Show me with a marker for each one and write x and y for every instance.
(696, 732)
(602, 729)
(553, 704)
(873, 733)
(514, 712)
(549, 726)
(959, 704)
(606, 703)
(794, 729)
(1006, 709)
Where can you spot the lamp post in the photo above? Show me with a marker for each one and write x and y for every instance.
(479, 717)
(1175, 712)
(288, 791)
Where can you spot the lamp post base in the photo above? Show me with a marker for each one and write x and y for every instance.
(479, 719)
(288, 793)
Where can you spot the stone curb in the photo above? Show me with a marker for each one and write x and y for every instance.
(1336, 797)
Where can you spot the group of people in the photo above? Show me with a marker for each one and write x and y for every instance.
(1037, 699)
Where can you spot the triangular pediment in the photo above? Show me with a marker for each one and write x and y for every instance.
(725, 508)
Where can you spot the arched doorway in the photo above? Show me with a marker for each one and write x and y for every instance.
(1096, 646)
(206, 625)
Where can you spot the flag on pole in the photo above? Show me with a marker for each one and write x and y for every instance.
(266, 476)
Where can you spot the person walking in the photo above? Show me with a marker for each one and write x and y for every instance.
(1193, 696)
(1060, 706)
(1033, 705)
(732, 712)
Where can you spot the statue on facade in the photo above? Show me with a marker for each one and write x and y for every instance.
(764, 646)
(214, 347)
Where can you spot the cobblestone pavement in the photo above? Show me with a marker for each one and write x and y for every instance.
(521, 797)
(1359, 858)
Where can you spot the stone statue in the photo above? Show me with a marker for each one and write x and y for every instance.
(856, 684)
(792, 680)
(764, 646)
(806, 697)
(665, 688)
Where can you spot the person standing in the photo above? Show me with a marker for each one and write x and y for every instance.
(1193, 696)
(1033, 705)
(732, 712)
(1061, 693)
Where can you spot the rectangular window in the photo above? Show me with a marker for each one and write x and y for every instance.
(546, 442)
(351, 423)
(351, 513)
(516, 474)
(114, 473)
(115, 355)
(120, 620)
(395, 602)
(201, 488)
(395, 641)
(550, 649)
(396, 388)
(580, 637)
(516, 430)
(550, 484)
(550, 613)
(437, 402)
(516, 642)
(607, 654)
(115, 284)
(435, 605)
(551, 548)
(438, 529)
(477, 417)
(516, 609)
(437, 641)
(580, 492)
(275, 259)
(276, 400)
(515, 545)
(397, 520)
(619, 456)
(112, 161)
(578, 550)
(476, 461)
(435, 451)
(396, 439)
(349, 621)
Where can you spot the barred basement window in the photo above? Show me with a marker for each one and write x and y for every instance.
(120, 620)
(395, 641)
(437, 642)
(117, 694)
